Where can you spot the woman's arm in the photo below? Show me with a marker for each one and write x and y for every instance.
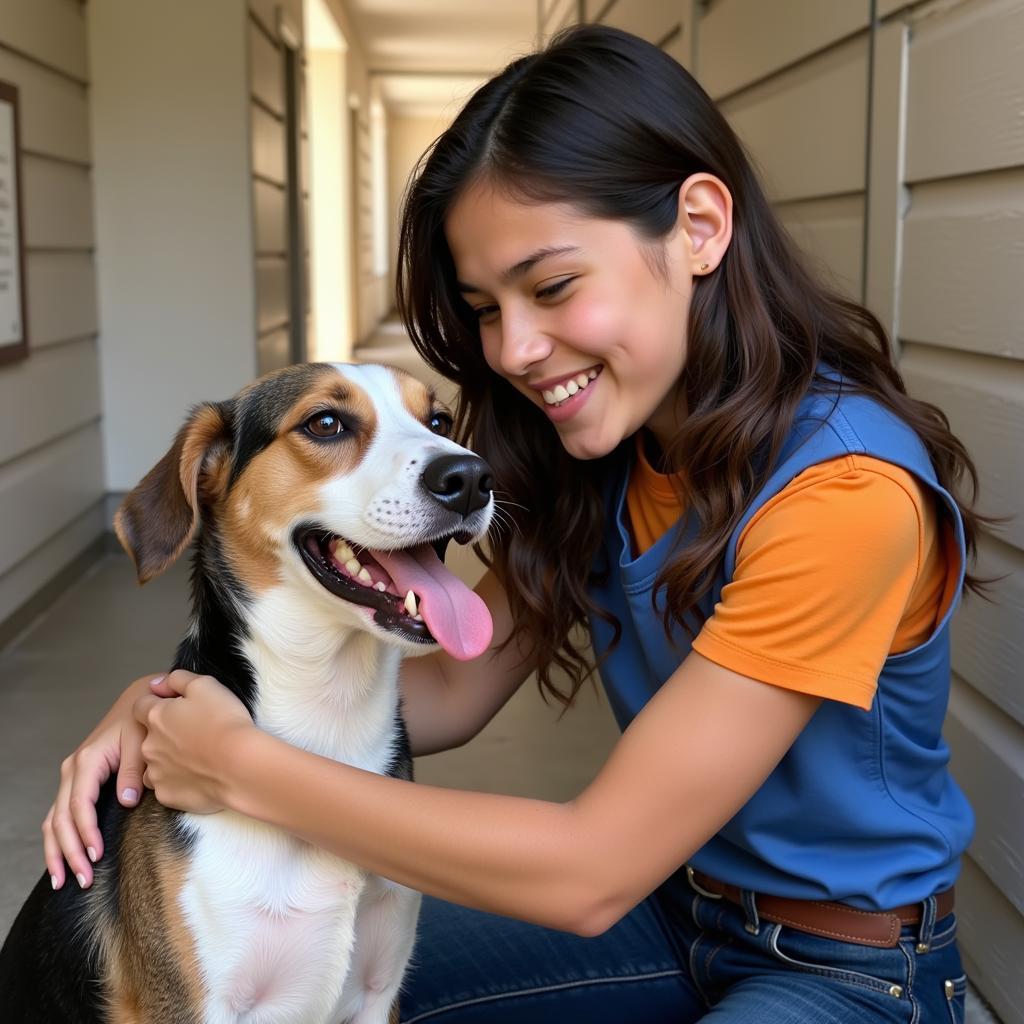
(688, 762)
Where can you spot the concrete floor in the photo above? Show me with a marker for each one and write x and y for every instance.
(62, 673)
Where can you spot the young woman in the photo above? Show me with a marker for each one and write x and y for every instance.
(711, 462)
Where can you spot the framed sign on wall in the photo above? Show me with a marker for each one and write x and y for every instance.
(13, 326)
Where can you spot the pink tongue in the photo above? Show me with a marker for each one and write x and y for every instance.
(457, 619)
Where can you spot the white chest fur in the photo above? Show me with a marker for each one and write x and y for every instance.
(274, 919)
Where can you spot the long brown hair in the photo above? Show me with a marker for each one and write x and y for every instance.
(608, 123)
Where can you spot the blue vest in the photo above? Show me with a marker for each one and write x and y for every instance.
(862, 808)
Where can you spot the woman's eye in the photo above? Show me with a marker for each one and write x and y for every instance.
(482, 312)
(441, 423)
(324, 424)
(553, 289)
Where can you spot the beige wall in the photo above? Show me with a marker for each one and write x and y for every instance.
(51, 454)
(408, 139)
(170, 113)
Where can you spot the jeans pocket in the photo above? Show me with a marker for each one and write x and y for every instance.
(955, 991)
(845, 962)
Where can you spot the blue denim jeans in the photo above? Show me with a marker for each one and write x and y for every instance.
(678, 957)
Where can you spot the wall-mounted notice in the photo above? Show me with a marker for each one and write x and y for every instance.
(13, 332)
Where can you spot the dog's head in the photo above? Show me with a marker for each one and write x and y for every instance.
(336, 480)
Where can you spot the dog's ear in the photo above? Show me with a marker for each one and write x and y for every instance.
(158, 519)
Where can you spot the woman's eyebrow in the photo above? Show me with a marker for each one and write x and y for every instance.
(520, 268)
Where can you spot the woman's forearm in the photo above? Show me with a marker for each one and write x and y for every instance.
(507, 855)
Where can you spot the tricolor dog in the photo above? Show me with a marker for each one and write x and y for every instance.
(320, 499)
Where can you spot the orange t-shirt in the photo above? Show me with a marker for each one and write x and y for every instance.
(846, 565)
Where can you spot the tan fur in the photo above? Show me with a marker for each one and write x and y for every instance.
(150, 970)
(279, 483)
(416, 396)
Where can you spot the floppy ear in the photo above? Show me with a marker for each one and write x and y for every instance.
(159, 518)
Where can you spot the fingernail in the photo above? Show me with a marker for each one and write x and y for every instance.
(92, 853)
(157, 681)
(130, 794)
(81, 880)
(53, 881)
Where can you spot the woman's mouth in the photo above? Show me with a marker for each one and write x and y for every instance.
(572, 386)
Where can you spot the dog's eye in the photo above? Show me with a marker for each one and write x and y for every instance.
(441, 423)
(324, 424)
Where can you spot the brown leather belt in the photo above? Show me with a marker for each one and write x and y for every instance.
(829, 920)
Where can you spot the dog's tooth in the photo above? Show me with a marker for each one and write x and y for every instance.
(583, 380)
(364, 575)
(345, 552)
(560, 394)
(353, 566)
(410, 603)
(418, 617)
(380, 585)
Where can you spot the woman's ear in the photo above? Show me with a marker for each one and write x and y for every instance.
(705, 219)
(159, 517)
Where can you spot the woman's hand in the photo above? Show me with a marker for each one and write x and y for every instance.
(70, 830)
(186, 740)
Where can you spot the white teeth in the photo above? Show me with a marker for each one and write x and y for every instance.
(572, 387)
(418, 618)
(560, 394)
(344, 552)
(410, 603)
(380, 586)
(353, 566)
(592, 374)
(549, 397)
(583, 380)
(364, 575)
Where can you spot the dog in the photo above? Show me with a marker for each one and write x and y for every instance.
(320, 500)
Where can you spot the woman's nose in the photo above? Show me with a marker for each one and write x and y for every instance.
(522, 345)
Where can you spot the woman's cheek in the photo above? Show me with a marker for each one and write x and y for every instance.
(591, 327)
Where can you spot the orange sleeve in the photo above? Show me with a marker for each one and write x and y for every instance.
(824, 575)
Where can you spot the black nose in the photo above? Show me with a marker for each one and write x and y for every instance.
(462, 483)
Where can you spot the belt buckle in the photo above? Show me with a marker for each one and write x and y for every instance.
(697, 887)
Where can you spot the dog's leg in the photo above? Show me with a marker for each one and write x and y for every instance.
(385, 933)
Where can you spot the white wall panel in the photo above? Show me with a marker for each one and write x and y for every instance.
(966, 91)
(271, 292)
(806, 127)
(988, 644)
(991, 934)
(58, 204)
(987, 745)
(268, 146)
(51, 393)
(963, 265)
(742, 41)
(271, 218)
(51, 31)
(984, 400)
(46, 489)
(54, 111)
(831, 233)
(61, 290)
(651, 19)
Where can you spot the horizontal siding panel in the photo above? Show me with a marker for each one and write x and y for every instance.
(806, 128)
(47, 489)
(963, 264)
(988, 646)
(991, 934)
(987, 745)
(48, 559)
(831, 232)
(740, 40)
(52, 31)
(61, 289)
(48, 395)
(54, 111)
(650, 19)
(57, 204)
(271, 293)
(271, 205)
(268, 145)
(966, 91)
(984, 400)
(266, 70)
